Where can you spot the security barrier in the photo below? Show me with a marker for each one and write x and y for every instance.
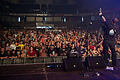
(32, 60)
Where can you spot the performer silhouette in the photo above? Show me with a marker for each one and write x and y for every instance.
(110, 30)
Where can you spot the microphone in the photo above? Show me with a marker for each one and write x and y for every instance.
(100, 10)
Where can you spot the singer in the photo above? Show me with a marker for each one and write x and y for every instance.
(110, 30)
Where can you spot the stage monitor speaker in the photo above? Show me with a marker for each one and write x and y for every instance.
(72, 64)
(95, 62)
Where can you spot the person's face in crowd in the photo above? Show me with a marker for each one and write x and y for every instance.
(16, 43)
(58, 44)
(31, 48)
(41, 44)
(7, 44)
(13, 42)
(52, 42)
(13, 51)
(26, 44)
(21, 42)
(63, 46)
(25, 39)
(94, 48)
(69, 44)
(78, 44)
(31, 43)
(34, 36)
(57, 39)
(73, 46)
(22, 52)
(46, 43)
(43, 47)
(2, 50)
(26, 47)
(115, 20)
(35, 40)
(82, 47)
(83, 43)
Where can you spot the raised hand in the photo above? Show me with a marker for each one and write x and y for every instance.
(100, 12)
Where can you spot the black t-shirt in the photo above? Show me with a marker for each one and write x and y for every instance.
(3, 54)
(82, 51)
(73, 51)
(110, 31)
(64, 51)
(58, 50)
(51, 51)
(13, 54)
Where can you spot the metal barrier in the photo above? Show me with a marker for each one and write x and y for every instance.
(32, 60)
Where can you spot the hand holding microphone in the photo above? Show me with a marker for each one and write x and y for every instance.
(101, 15)
(100, 12)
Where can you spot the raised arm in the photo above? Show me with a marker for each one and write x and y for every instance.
(103, 18)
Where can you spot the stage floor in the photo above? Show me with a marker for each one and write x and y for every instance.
(40, 72)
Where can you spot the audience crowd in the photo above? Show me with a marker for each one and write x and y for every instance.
(38, 43)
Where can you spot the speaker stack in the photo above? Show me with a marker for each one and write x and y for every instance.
(95, 62)
(72, 64)
(76, 64)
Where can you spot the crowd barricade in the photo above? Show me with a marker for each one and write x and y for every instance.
(58, 59)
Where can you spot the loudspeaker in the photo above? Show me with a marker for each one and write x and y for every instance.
(72, 64)
(95, 62)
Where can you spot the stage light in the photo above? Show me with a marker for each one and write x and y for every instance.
(44, 19)
(82, 19)
(19, 19)
(44, 27)
(91, 22)
(64, 19)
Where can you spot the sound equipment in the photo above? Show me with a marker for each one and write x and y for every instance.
(95, 62)
(52, 67)
(72, 64)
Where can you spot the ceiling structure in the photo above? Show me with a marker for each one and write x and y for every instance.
(73, 10)
(80, 6)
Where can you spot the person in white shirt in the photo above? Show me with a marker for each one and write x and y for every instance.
(13, 46)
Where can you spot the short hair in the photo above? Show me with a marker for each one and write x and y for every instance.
(115, 20)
